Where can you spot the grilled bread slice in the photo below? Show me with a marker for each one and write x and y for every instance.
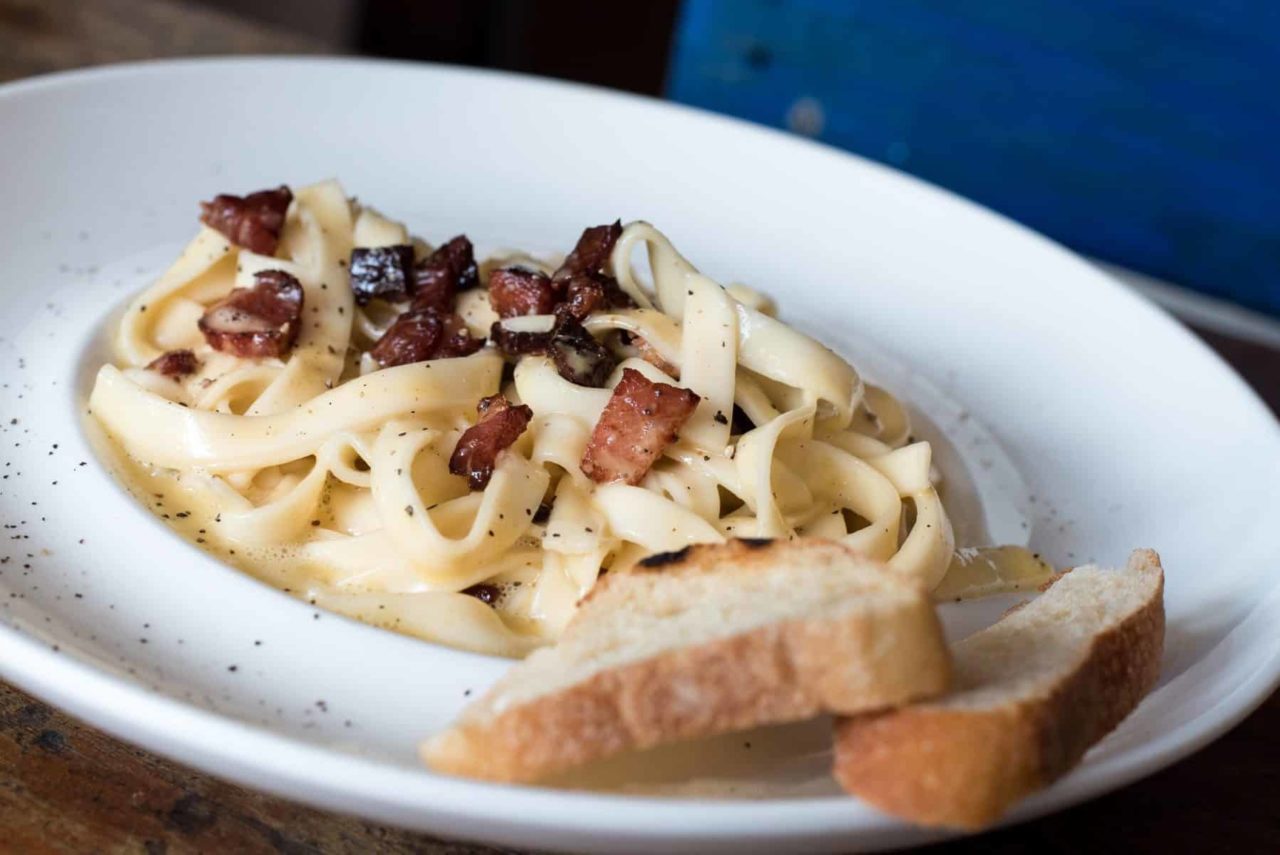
(706, 640)
(1033, 693)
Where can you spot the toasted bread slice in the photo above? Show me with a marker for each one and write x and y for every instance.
(1033, 693)
(702, 641)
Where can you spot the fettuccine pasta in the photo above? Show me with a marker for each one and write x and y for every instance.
(330, 468)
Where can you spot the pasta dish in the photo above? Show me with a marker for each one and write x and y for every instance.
(458, 449)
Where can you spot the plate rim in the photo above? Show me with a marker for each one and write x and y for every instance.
(249, 751)
(387, 792)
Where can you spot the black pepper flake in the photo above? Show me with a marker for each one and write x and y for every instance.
(233, 668)
(720, 418)
(408, 509)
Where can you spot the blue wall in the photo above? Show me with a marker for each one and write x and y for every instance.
(1144, 133)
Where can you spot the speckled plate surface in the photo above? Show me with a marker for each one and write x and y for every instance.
(1127, 431)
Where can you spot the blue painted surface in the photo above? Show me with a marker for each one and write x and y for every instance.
(1141, 132)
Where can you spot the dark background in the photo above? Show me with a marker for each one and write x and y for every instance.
(1137, 132)
(619, 45)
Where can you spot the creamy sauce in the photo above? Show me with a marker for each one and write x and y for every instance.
(332, 484)
(169, 495)
(429, 615)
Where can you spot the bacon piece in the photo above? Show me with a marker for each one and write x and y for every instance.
(588, 292)
(586, 286)
(578, 288)
(440, 276)
(174, 363)
(517, 343)
(385, 272)
(478, 448)
(419, 335)
(579, 358)
(639, 422)
(591, 251)
(517, 291)
(583, 295)
(253, 222)
(412, 337)
(256, 322)
(457, 340)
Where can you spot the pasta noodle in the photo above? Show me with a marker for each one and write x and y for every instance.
(331, 477)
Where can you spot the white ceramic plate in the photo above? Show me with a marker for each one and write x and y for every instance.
(1128, 431)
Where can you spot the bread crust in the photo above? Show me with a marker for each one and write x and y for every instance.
(938, 765)
(781, 672)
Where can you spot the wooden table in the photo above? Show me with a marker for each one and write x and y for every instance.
(65, 787)
(39, 36)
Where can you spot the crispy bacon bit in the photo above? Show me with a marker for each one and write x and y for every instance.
(515, 291)
(412, 337)
(583, 295)
(260, 321)
(590, 292)
(175, 363)
(579, 358)
(477, 451)
(440, 276)
(419, 335)
(639, 422)
(385, 272)
(253, 222)
(578, 288)
(586, 286)
(517, 343)
(457, 340)
(591, 252)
